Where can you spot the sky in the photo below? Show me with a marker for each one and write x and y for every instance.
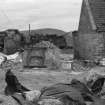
(59, 14)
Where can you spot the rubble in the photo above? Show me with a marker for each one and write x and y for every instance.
(50, 102)
(79, 66)
(54, 59)
(102, 62)
(32, 95)
(7, 100)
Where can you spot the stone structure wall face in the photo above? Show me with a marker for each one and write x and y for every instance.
(91, 44)
(84, 23)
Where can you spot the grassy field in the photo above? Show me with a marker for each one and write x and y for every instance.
(33, 79)
(36, 79)
(39, 78)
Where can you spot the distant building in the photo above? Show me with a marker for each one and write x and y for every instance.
(69, 40)
(59, 41)
(54, 36)
(12, 41)
(91, 31)
(2, 37)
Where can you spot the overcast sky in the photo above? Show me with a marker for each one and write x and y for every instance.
(60, 14)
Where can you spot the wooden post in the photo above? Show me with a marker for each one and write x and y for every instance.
(29, 29)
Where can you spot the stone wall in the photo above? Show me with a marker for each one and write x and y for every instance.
(91, 46)
(85, 22)
(75, 37)
(34, 57)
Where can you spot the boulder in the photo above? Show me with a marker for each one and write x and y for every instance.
(50, 102)
(33, 95)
